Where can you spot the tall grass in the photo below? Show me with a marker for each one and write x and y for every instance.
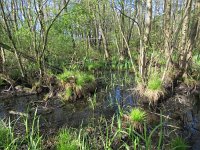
(112, 134)
(31, 138)
(32, 135)
(7, 140)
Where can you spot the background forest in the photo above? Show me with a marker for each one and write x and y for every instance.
(66, 49)
(38, 34)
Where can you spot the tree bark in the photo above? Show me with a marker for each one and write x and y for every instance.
(145, 42)
(184, 37)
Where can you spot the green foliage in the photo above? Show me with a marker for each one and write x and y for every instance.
(24, 34)
(154, 83)
(66, 75)
(76, 19)
(66, 141)
(94, 64)
(137, 115)
(84, 78)
(179, 144)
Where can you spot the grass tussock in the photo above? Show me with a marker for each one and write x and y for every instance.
(137, 115)
(75, 84)
(80, 78)
(31, 138)
(154, 96)
(154, 84)
(66, 141)
(154, 89)
(136, 119)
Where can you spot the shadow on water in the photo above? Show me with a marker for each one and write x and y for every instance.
(54, 114)
(121, 97)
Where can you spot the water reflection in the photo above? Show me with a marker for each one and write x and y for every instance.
(121, 98)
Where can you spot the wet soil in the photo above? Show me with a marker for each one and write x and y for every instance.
(183, 112)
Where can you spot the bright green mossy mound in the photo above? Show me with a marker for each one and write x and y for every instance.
(80, 78)
(75, 84)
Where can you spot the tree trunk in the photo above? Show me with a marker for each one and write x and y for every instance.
(185, 44)
(145, 42)
(167, 36)
(167, 28)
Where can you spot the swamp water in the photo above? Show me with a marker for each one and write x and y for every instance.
(55, 114)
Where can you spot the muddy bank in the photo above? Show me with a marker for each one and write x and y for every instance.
(182, 112)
